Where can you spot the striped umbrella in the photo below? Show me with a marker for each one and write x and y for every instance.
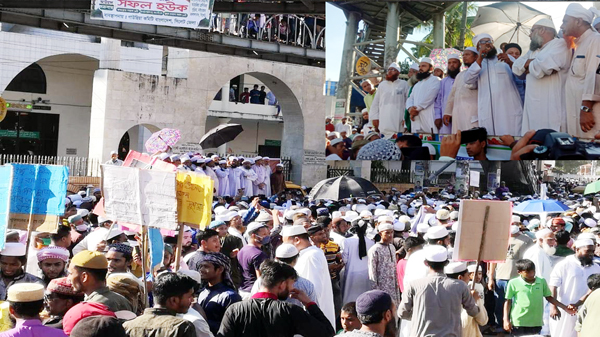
(342, 187)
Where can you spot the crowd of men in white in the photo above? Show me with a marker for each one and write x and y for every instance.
(555, 85)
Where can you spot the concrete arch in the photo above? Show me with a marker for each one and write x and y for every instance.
(138, 134)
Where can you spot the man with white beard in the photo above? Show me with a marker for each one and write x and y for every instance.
(268, 173)
(499, 102)
(546, 65)
(209, 169)
(387, 109)
(259, 183)
(235, 174)
(461, 109)
(582, 88)
(248, 177)
(222, 173)
(421, 103)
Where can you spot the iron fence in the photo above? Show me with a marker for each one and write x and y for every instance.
(337, 172)
(78, 166)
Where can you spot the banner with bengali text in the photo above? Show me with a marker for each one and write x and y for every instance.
(173, 13)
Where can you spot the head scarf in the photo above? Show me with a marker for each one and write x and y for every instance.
(124, 284)
(379, 149)
(220, 260)
(359, 226)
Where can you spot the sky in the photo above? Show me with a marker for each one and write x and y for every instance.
(336, 25)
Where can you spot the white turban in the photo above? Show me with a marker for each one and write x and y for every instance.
(473, 49)
(577, 11)
(480, 37)
(544, 22)
(427, 60)
(395, 66)
(596, 21)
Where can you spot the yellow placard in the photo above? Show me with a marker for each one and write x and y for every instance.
(3, 109)
(194, 199)
(363, 65)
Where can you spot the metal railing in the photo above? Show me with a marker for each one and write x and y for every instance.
(337, 172)
(78, 166)
(379, 175)
(282, 28)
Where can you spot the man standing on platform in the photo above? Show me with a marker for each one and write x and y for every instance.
(387, 108)
(421, 102)
(446, 85)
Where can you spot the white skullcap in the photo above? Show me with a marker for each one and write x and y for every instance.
(263, 217)
(365, 213)
(515, 218)
(586, 235)
(442, 214)
(411, 211)
(543, 232)
(437, 232)
(414, 66)
(285, 251)
(163, 156)
(214, 156)
(578, 11)
(385, 218)
(454, 56)
(293, 230)
(544, 22)
(335, 141)
(427, 60)
(13, 249)
(455, 268)
(404, 218)
(385, 226)
(422, 227)
(399, 226)
(81, 228)
(454, 215)
(435, 253)
(395, 66)
(221, 162)
(185, 158)
(473, 49)
(113, 152)
(583, 243)
(336, 214)
(440, 67)
(455, 226)
(254, 226)
(480, 37)
(514, 229)
(473, 267)
(589, 222)
(279, 165)
(83, 212)
(25, 292)
(220, 210)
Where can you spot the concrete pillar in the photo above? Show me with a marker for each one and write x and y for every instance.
(392, 26)
(225, 96)
(344, 89)
(223, 148)
(439, 30)
(178, 62)
(110, 55)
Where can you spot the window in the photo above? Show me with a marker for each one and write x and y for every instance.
(31, 79)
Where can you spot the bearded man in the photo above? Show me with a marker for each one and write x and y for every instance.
(420, 104)
(387, 109)
(445, 88)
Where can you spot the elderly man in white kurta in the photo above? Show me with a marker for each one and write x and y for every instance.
(421, 103)
(248, 177)
(222, 173)
(568, 283)
(461, 108)
(259, 183)
(546, 65)
(268, 172)
(582, 88)
(387, 109)
(235, 174)
(499, 102)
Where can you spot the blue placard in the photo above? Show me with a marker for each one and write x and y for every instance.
(39, 189)
(5, 182)
(156, 247)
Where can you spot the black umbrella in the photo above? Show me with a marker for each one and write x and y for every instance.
(220, 135)
(342, 187)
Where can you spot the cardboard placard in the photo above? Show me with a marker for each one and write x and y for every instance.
(46, 223)
(194, 199)
(39, 189)
(470, 232)
(474, 181)
(6, 174)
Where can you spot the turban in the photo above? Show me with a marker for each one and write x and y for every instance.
(480, 37)
(220, 260)
(63, 286)
(578, 11)
(53, 252)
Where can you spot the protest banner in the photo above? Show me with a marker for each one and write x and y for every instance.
(194, 199)
(474, 178)
(484, 230)
(141, 197)
(6, 173)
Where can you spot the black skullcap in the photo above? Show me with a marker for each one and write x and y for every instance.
(373, 302)
(512, 45)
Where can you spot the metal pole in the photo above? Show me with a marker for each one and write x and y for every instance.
(392, 27)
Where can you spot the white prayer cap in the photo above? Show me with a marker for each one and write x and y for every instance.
(335, 215)
(411, 211)
(222, 217)
(385, 219)
(214, 156)
(480, 37)
(232, 158)
(25, 292)
(206, 160)
(427, 60)
(440, 67)
(366, 214)
(385, 226)
(473, 267)
(350, 216)
(221, 162)
(454, 56)
(13, 249)
(264, 217)
(113, 152)
(114, 233)
(442, 214)
(380, 211)
(473, 49)
(399, 226)
(279, 165)
(258, 158)
(514, 229)
(394, 65)
(589, 222)
(423, 227)
(544, 22)
(83, 212)
(404, 218)
(220, 210)
(454, 215)
(455, 268)
(254, 226)
(293, 230)
(435, 253)
(285, 251)
(586, 235)
(414, 66)
(583, 243)
(543, 232)
(163, 156)
(455, 226)
(437, 232)
(515, 218)
(194, 275)
(336, 141)
(578, 11)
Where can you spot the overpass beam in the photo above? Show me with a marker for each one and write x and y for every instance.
(344, 89)
(392, 28)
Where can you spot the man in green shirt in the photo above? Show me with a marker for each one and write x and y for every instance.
(524, 305)
(562, 239)
(370, 91)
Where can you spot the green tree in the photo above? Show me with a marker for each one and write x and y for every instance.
(453, 27)
(570, 166)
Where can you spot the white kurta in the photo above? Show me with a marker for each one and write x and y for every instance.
(268, 173)
(247, 179)
(223, 175)
(235, 175)
(211, 173)
(388, 106)
(499, 104)
(583, 83)
(462, 104)
(415, 268)
(545, 95)
(312, 265)
(355, 277)
(423, 97)
(543, 263)
(570, 278)
(339, 127)
(260, 174)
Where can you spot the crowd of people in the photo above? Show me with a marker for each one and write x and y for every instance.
(284, 266)
(551, 86)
